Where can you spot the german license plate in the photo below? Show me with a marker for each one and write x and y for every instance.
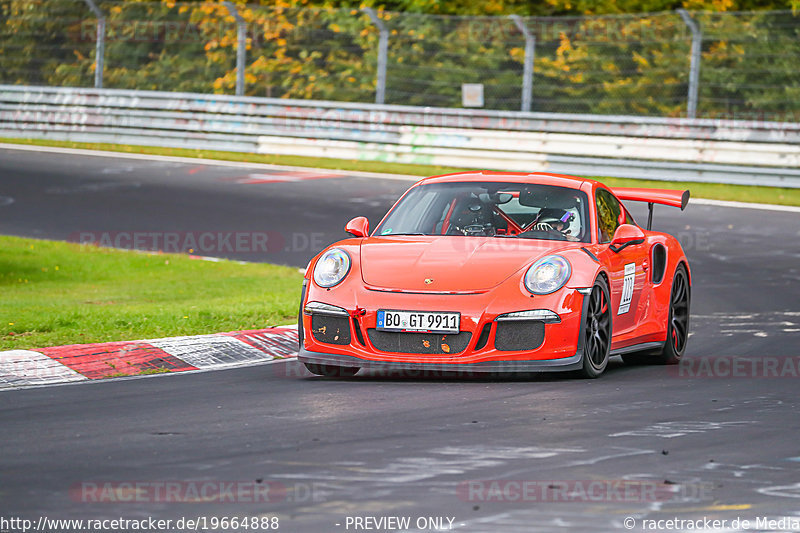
(433, 321)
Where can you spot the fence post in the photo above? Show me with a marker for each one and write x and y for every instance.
(383, 47)
(694, 67)
(527, 74)
(241, 46)
(100, 45)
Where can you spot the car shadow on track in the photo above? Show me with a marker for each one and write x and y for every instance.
(296, 369)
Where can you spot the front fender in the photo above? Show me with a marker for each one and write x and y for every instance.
(585, 268)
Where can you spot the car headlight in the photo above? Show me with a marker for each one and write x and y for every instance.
(331, 268)
(547, 275)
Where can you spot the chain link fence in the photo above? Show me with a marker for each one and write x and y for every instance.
(747, 65)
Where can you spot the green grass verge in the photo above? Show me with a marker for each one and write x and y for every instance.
(56, 293)
(716, 191)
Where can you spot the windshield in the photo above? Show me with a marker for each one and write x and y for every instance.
(491, 209)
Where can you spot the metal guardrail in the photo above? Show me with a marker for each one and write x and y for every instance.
(743, 152)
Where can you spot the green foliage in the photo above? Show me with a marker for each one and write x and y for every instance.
(751, 66)
(39, 38)
(593, 59)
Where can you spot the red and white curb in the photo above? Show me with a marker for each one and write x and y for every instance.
(81, 362)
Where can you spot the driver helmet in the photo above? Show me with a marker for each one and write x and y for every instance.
(558, 219)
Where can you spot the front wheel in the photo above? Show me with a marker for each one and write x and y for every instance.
(597, 331)
(332, 371)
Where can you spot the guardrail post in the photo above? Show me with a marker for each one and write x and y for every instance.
(241, 46)
(100, 45)
(694, 67)
(383, 48)
(527, 74)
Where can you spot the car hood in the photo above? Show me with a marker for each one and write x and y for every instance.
(448, 263)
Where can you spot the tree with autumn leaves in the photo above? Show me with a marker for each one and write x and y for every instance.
(591, 56)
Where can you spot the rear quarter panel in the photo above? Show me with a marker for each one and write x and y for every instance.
(654, 302)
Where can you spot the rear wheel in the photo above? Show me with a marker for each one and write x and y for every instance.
(597, 331)
(332, 371)
(677, 325)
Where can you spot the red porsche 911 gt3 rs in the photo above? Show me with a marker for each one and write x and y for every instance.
(499, 272)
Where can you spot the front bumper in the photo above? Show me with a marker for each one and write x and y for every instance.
(354, 342)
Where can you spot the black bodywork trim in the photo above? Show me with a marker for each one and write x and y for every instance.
(617, 249)
(300, 314)
(590, 254)
(685, 199)
(357, 328)
(550, 365)
(637, 348)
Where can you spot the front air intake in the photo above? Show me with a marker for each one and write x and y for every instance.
(330, 329)
(519, 335)
(422, 343)
(659, 259)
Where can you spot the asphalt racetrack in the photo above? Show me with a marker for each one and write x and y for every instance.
(716, 441)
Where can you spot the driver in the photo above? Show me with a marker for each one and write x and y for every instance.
(553, 219)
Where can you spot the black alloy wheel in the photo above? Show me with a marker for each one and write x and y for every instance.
(597, 331)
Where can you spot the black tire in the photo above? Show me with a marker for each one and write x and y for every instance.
(597, 331)
(678, 322)
(677, 326)
(332, 371)
(300, 317)
(300, 326)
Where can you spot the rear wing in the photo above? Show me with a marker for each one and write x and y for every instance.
(670, 197)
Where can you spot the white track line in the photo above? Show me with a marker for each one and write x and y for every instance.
(745, 205)
(344, 173)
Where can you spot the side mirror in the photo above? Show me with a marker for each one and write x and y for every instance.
(626, 235)
(358, 227)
